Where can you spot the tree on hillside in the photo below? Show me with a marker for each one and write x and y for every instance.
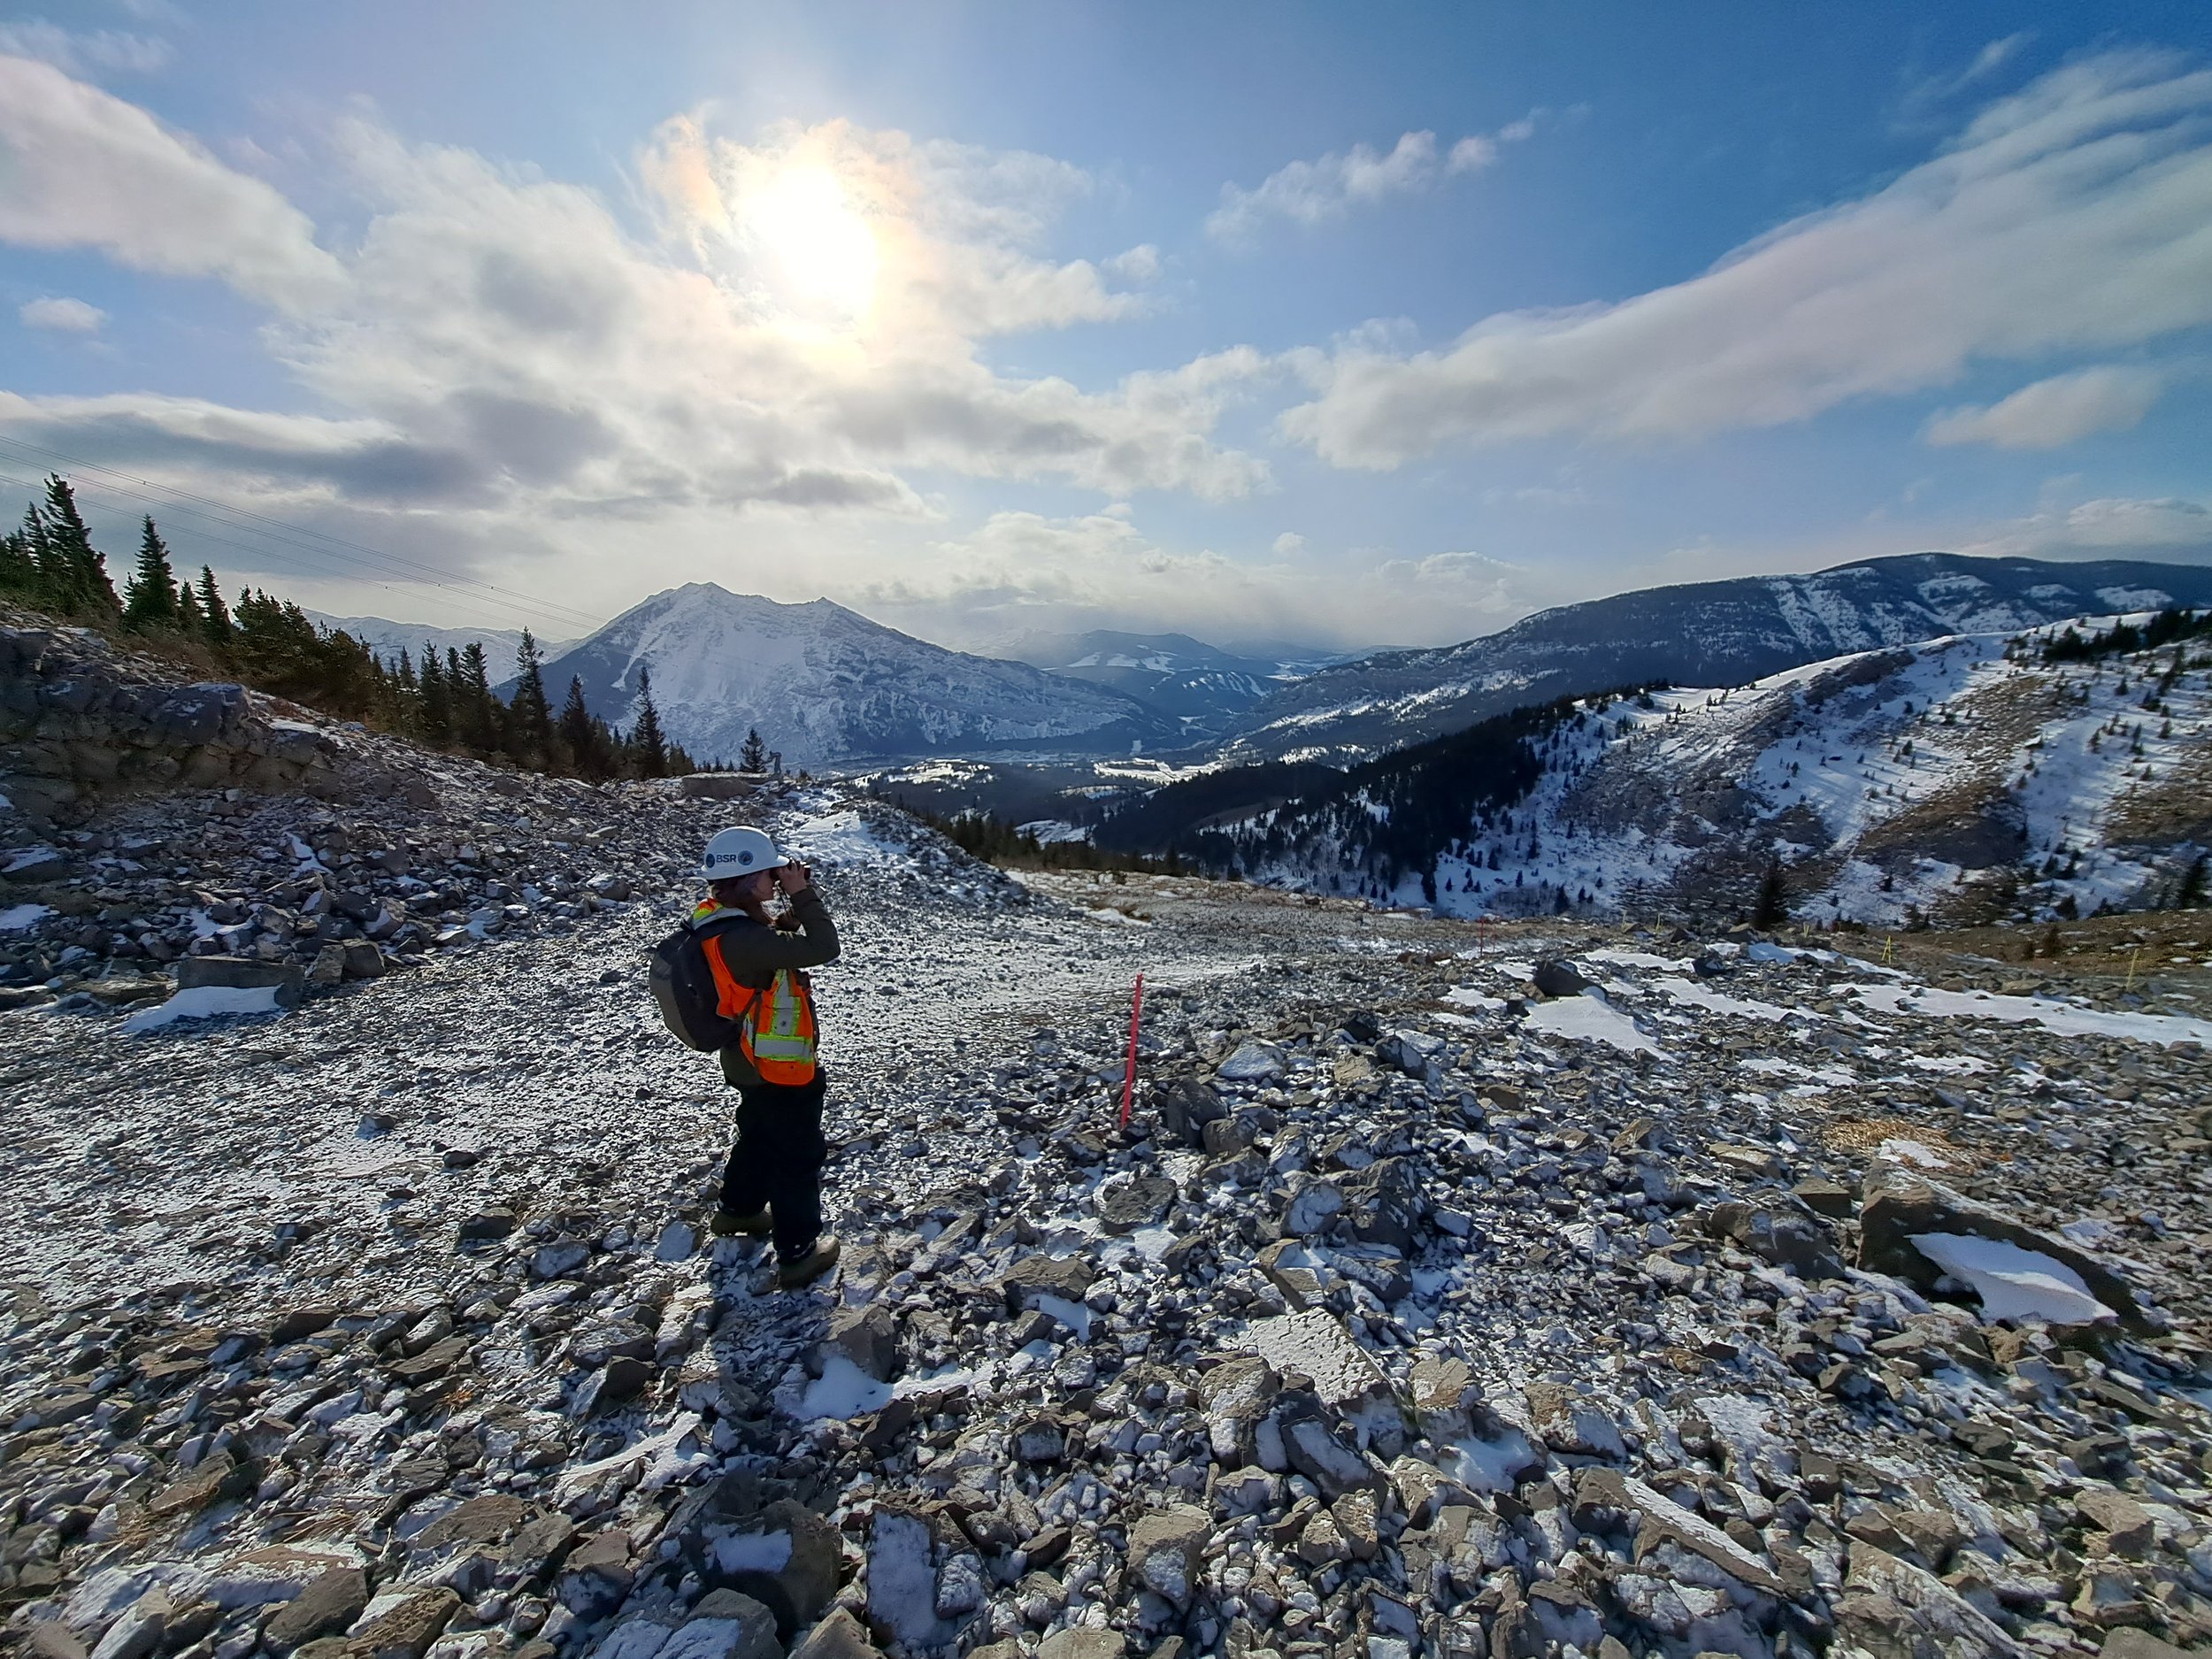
(476, 711)
(647, 743)
(583, 736)
(1772, 907)
(754, 755)
(73, 575)
(215, 622)
(434, 700)
(530, 722)
(149, 599)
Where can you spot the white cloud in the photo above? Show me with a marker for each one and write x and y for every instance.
(2053, 413)
(64, 316)
(2115, 522)
(2068, 216)
(80, 168)
(1472, 154)
(2110, 527)
(1287, 543)
(77, 52)
(1023, 573)
(1314, 192)
(499, 356)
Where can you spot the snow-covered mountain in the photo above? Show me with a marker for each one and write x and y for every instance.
(824, 685)
(387, 639)
(1701, 633)
(1199, 685)
(1962, 779)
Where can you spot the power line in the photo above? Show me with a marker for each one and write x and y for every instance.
(300, 539)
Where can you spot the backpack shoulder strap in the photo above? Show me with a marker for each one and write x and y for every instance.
(733, 998)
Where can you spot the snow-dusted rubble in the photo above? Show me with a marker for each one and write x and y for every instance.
(1408, 1316)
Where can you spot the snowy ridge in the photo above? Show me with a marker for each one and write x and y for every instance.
(1957, 779)
(824, 685)
(1702, 633)
(387, 639)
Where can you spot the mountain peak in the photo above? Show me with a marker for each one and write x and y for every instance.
(824, 684)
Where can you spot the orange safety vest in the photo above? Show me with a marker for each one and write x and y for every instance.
(781, 1046)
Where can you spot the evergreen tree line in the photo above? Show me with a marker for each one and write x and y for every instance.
(445, 701)
(996, 841)
(2165, 628)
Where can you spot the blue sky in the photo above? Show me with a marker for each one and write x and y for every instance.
(1341, 324)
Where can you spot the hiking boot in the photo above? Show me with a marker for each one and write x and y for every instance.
(756, 1226)
(809, 1267)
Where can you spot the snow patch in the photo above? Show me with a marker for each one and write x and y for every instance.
(17, 918)
(205, 1001)
(2061, 1017)
(2014, 1283)
(1591, 1018)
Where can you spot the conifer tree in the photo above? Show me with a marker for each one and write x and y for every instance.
(19, 566)
(188, 611)
(75, 576)
(530, 713)
(434, 701)
(477, 710)
(149, 599)
(215, 624)
(580, 733)
(754, 755)
(648, 743)
(1773, 906)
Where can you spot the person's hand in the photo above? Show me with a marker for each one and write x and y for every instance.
(794, 878)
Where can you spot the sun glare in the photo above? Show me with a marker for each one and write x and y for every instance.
(825, 252)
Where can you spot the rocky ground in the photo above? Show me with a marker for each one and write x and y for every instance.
(1517, 1290)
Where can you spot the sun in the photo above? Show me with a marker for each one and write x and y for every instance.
(824, 255)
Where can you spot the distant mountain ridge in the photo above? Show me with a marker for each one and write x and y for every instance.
(825, 685)
(387, 639)
(1199, 685)
(1701, 634)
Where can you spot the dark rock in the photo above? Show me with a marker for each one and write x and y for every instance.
(867, 1337)
(803, 1547)
(840, 1636)
(1384, 1203)
(1555, 977)
(407, 1631)
(1825, 1198)
(327, 1607)
(1138, 1202)
(302, 1322)
(495, 1222)
(1069, 1277)
(1777, 1237)
(1186, 1106)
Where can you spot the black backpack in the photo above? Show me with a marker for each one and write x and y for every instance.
(683, 986)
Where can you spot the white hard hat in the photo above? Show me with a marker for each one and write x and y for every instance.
(742, 851)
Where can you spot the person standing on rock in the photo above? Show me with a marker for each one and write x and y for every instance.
(772, 1184)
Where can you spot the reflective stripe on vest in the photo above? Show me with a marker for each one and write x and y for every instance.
(781, 1046)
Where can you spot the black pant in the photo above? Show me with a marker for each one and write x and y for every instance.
(777, 1162)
